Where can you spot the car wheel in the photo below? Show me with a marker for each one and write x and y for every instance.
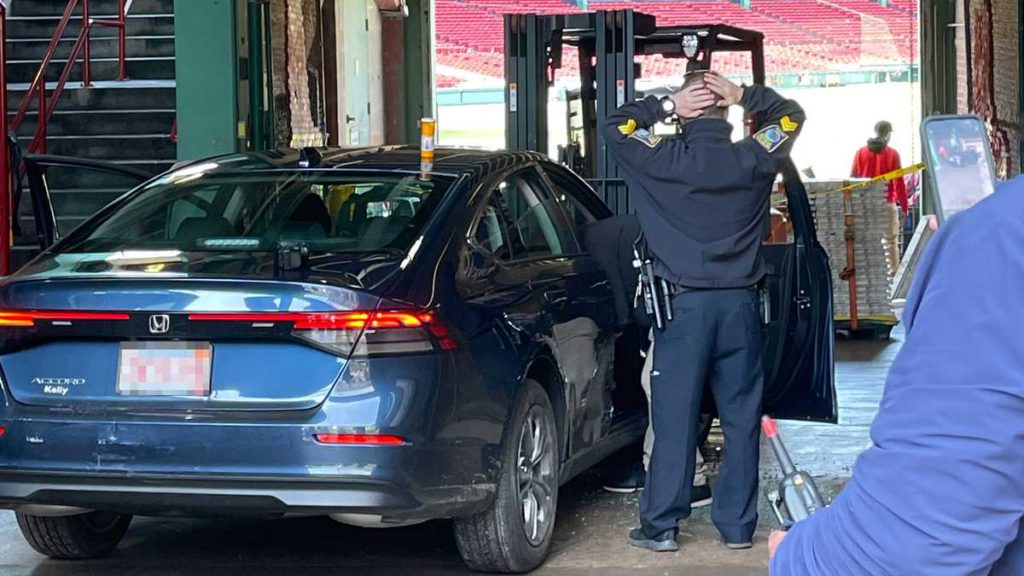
(514, 534)
(77, 537)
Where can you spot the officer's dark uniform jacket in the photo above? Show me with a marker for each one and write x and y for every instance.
(611, 242)
(702, 198)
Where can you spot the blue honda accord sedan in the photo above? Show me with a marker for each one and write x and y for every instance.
(339, 333)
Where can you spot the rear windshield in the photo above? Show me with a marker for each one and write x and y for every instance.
(225, 211)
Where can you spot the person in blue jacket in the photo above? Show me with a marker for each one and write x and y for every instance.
(941, 490)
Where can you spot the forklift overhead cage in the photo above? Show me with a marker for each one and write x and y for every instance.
(608, 43)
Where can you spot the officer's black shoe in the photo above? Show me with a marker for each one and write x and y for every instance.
(700, 496)
(664, 542)
(745, 545)
(627, 480)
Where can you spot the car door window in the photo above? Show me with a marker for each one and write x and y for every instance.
(537, 225)
(577, 215)
(491, 233)
(60, 193)
(778, 223)
(78, 192)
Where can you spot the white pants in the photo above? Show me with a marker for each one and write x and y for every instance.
(892, 237)
(700, 478)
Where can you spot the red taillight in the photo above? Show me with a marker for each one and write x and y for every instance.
(444, 338)
(360, 320)
(2, 431)
(384, 331)
(327, 320)
(28, 319)
(360, 439)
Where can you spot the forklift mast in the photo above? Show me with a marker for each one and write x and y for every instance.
(608, 43)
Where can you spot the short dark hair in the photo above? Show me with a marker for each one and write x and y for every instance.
(883, 129)
(713, 111)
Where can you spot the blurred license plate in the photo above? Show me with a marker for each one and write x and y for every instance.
(164, 369)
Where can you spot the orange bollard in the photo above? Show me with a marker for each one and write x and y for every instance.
(428, 138)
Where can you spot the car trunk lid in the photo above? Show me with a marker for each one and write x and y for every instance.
(177, 344)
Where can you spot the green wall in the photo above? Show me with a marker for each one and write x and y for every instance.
(206, 66)
(419, 80)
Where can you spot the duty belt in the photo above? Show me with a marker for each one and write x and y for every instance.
(656, 292)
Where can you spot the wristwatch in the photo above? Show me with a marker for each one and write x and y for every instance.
(668, 106)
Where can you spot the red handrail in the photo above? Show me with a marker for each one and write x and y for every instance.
(40, 77)
(37, 90)
(46, 108)
(121, 25)
(5, 156)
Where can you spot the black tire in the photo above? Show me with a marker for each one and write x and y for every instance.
(79, 537)
(496, 540)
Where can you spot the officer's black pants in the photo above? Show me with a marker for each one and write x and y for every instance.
(715, 338)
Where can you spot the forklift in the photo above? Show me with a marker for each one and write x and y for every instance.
(608, 79)
(797, 308)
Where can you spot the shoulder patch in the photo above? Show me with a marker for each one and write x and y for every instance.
(771, 138)
(788, 125)
(628, 128)
(648, 138)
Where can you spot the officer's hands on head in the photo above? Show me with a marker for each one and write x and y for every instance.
(693, 100)
(729, 93)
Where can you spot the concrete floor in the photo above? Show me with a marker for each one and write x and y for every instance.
(589, 536)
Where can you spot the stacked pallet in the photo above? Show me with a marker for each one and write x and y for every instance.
(871, 252)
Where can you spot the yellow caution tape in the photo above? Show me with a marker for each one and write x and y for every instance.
(882, 178)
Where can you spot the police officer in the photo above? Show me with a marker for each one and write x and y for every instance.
(702, 201)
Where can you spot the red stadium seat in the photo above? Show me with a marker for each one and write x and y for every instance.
(801, 35)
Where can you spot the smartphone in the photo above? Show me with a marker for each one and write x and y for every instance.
(959, 160)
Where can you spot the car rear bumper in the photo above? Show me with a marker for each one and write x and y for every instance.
(268, 462)
(181, 495)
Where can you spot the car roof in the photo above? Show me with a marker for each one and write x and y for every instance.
(451, 162)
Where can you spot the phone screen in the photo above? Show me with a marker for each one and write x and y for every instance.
(960, 162)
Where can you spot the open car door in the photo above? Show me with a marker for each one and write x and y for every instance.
(800, 340)
(58, 193)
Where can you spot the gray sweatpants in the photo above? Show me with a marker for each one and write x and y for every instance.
(701, 476)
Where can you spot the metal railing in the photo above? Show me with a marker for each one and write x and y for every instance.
(6, 172)
(81, 49)
(37, 92)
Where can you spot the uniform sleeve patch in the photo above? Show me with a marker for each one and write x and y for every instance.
(771, 138)
(628, 128)
(648, 138)
(788, 125)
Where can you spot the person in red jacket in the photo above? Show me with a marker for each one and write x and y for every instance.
(876, 159)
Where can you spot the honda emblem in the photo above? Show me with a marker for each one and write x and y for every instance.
(159, 323)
